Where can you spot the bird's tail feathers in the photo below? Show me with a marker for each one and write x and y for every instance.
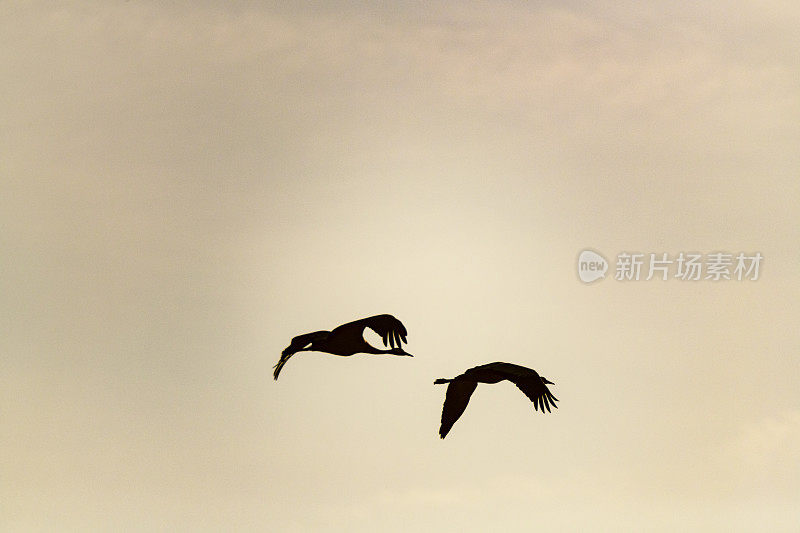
(288, 352)
(299, 344)
(441, 381)
(285, 355)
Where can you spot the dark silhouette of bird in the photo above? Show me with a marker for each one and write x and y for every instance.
(461, 387)
(348, 339)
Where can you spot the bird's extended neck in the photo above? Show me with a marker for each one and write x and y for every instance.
(390, 351)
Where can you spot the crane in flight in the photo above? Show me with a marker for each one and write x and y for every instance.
(461, 387)
(348, 339)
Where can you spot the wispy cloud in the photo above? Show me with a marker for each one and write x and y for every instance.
(766, 451)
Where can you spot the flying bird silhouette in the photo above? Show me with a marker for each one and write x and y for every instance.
(461, 387)
(348, 339)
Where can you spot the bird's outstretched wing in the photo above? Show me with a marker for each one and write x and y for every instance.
(537, 391)
(390, 329)
(297, 344)
(455, 402)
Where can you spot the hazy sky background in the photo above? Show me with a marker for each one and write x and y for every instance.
(185, 186)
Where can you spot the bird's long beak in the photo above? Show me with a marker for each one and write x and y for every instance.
(547, 381)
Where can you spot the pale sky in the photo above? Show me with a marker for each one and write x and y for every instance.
(186, 186)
